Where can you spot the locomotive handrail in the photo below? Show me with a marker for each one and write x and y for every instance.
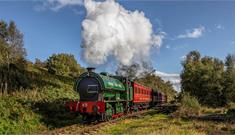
(116, 101)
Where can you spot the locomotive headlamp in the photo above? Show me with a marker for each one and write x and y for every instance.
(95, 109)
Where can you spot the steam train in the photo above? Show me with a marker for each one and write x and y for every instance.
(104, 97)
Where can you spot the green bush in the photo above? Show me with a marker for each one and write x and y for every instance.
(189, 106)
(17, 118)
(31, 111)
(230, 114)
(63, 64)
(231, 105)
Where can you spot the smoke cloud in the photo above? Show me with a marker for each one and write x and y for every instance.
(112, 32)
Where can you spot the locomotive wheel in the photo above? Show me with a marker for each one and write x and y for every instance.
(89, 119)
(102, 117)
(84, 118)
(108, 116)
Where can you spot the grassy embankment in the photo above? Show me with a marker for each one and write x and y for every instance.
(39, 108)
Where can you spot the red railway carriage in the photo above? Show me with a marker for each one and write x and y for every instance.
(142, 96)
(162, 98)
(158, 98)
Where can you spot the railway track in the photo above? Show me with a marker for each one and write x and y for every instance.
(93, 127)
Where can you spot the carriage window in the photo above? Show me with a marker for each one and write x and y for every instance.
(92, 89)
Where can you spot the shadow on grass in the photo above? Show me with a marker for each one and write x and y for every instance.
(41, 78)
(54, 114)
(38, 80)
(210, 117)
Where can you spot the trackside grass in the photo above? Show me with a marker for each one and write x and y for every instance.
(161, 124)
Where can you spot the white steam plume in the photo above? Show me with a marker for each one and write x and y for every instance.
(110, 31)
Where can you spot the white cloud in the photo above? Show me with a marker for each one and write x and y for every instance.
(173, 78)
(78, 12)
(195, 33)
(168, 47)
(113, 33)
(183, 57)
(56, 5)
(232, 43)
(219, 27)
(159, 24)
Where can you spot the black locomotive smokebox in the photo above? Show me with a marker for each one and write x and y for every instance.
(90, 69)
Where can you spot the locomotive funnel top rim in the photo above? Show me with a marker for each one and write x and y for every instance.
(90, 69)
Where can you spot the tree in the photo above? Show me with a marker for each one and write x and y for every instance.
(229, 78)
(203, 78)
(193, 56)
(39, 63)
(135, 70)
(128, 71)
(15, 41)
(189, 75)
(211, 82)
(12, 57)
(63, 64)
(3, 30)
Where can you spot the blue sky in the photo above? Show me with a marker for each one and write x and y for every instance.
(204, 26)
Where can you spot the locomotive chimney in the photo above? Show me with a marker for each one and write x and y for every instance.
(90, 69)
